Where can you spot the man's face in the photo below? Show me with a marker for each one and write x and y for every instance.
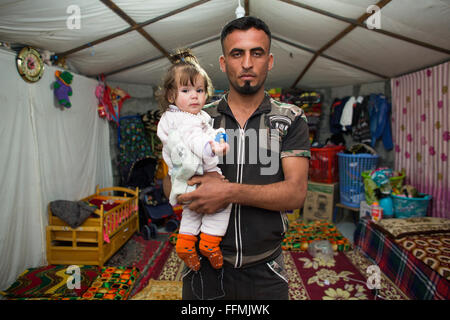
(246, 60)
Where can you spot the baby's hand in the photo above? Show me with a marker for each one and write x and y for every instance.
(219, 148)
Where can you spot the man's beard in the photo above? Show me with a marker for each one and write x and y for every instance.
(246, 89)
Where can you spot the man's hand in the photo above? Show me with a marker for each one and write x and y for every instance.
(210, 195)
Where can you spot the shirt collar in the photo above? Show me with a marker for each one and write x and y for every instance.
(264, 107)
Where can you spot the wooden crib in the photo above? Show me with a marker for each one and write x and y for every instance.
(101, 235)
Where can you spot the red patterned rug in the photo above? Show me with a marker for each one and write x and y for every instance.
(343, 277)
(137, 252)
(50, 281)
(146, 255)
(172, 268)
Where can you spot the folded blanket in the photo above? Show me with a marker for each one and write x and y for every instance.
(397, 228)
(74, 213)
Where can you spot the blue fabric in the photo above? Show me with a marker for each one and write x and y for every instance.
(380, 124)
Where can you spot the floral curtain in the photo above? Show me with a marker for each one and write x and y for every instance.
(421, 133)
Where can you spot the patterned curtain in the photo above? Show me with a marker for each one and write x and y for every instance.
(421, 133)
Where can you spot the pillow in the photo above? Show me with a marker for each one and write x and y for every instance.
(397, 228)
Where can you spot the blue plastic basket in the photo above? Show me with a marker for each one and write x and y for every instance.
(351, 183)
(410, 207)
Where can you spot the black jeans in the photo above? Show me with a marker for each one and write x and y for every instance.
(264, 281)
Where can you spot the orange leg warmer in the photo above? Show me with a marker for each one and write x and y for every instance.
(209, 247)
(186, 251)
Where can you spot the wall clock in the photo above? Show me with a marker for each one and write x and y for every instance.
(30, 64)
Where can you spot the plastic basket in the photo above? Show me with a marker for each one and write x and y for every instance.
(410, 207)
(351, 184)
(370, 186)
(323, 165)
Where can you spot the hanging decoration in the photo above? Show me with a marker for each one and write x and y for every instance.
(109, 100)
(62, 88)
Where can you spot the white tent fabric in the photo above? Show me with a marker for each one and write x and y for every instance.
(43, 25)
(52, 154)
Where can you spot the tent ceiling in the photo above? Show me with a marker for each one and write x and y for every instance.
(129, 40)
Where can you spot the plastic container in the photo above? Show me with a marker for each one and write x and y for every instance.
(351, 185)
(323, 165)
(405, 207)
(370, 186)
(376, 211)
(387, 206)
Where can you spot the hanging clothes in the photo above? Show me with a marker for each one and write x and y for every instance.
(380, 120)
(361, 122)
(347, 114)
(335, 115)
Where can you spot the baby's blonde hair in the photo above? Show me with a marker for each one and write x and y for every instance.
(184, 65)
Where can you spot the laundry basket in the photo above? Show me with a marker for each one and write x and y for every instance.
(410, 207)
(351, 184)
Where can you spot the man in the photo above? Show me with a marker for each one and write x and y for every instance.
(260, 129)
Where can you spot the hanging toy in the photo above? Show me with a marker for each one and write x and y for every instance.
(62, 89)
(99, 91)
(102, 92)
(118, 96)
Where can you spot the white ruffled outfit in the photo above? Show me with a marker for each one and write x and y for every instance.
(187, 152)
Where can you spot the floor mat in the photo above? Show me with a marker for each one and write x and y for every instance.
(161, 290)
(142, 254)
(309, 279)
(343, 277)
(114, 283)
(51, 282)
(137, 252)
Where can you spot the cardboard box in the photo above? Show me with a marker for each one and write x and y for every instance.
(320, 201)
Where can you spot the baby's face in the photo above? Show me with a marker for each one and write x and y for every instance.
(192, 97)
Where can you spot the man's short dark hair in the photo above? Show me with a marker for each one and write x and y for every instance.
(245, 23)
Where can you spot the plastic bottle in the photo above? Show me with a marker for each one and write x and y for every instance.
(387, 206)
(376, 211)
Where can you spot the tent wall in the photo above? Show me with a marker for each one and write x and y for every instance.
(421, 132)
(47, 153)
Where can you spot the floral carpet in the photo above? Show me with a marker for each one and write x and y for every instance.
(342, 277)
